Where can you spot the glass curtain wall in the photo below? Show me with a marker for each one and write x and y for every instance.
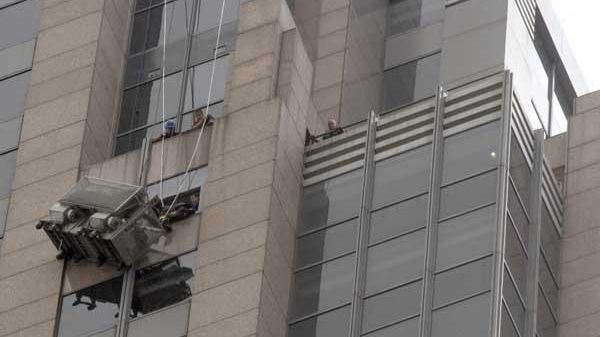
(191, 33)
(403, 293)
(18, 29)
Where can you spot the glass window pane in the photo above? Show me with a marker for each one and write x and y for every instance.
(196, 95)
(143, 105)
(402, 176)
(391, 306)
(91, 310)
(398, 219)
(331, 201)
(210, 14)
(331, 324)
(507, 328)
(546, 324)
(519, 217)
(16, 59)
(148, 31)
(326, 244)
(204, 43)
(516, 257)
(461, 282)
(3, 213)
(12, 95)
(411, 81)
(134, 140)
(409, 328)
(468, 194)
(163, 284)
(9, 134)
(548, 284)
(465, 237)
(395, 262)
(519, 169)
(19, 23)
(470, 152)
(550, 242)
(170, 322)
(513, 303)
(323, 287)
(8, 162)
(407, 14)
(149, 65)
(470, 318)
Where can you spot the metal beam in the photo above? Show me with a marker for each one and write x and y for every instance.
(362, 240)
(533, 247)
(501, 202)
(433, 203)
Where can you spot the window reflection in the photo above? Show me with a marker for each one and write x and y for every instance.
(163, 284)
(21, 20)
(323, 287)
(8, 162)
(330, 324)
(196, 94)
(391, 306)
(12, 95)
(468, 194)
(332, 201)
(91, 310)
(407, 14)
(471, 152)
(411, 81)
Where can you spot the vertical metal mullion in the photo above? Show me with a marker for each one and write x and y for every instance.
(501, 205)
(186, 62)
(433, 203)
(129, 279)
(362, 240)
(534, 243)
(551, 86)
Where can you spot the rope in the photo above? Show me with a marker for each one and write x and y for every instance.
(162, 84)
(208, 100)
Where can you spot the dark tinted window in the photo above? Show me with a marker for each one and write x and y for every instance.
(91, 310)
(404, 15)
(465, 237)
(330, 324)
(399, 218)
(332, 201)
(402, 176)
(391, 306)
(469, 318)
(326, 244)
(468, 194)
(163, 284)
(462, 282)
(470, 152)
(411, 81)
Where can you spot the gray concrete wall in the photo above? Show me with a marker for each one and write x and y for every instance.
(580, 248)
(79, 47)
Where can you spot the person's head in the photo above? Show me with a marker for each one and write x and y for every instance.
(194, 199)
(170, 125)
(332, 124)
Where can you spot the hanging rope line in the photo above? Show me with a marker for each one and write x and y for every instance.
(205, 119)
(162, 84)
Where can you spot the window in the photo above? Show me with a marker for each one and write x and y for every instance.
(404, 15)
(141, 109)
(411, 81)
(91, 311)
(16, 59)
(21, 20)
(12, 95)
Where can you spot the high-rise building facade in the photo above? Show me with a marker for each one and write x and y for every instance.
(457, 199)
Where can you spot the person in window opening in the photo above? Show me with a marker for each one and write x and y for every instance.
(334, 129)
(169, 129)
(199, 116)
(183, 209)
